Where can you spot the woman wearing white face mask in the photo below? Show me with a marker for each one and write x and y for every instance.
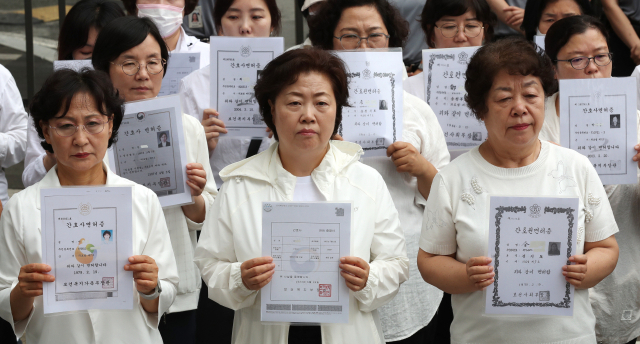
(167, 15)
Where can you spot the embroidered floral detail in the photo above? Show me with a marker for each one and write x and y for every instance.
(580, 234)
(467, 197)
(588, 216)
(563, 180)
(433, 219)
(475, 185)
(238, 179)
(594, 201)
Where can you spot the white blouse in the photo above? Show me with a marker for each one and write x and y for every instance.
(456, 221)
(20, 244)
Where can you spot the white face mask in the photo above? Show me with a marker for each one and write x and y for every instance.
(167, 18)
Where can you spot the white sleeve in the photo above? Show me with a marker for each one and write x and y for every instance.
(12, 256)
(158, 247)
(389, 266)
(187, 99)
(603, 224)
(34, 169)
(438, 230)
(202, 157)
(216, 258)
(13, 125)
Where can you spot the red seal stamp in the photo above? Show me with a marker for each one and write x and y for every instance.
(107, 283)
(324, 290)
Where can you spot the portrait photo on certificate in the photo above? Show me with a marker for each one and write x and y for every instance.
(87, 240)
(151, 151)
(530, 240)
(236, 65)
(374, 119)
(306, 241)
(600, 121)
(444, 90)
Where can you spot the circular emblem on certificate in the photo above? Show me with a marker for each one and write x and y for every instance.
(535, 210)
(366, 74)
(85, 209)
(463, 58)
(267, 207)
(140, 116)
(245, 51)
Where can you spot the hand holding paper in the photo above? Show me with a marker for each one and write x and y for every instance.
(355, 272)
(29, 286)
(145, 273)
(479, 272)
(257, 272)
(408, 159)
(637, 156)
(196, 178)
(576, 272)
(213, 126)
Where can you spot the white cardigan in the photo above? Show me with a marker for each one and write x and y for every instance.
(236, 236)
(20, 244)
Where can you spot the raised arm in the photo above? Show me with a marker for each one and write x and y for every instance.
(622, 27)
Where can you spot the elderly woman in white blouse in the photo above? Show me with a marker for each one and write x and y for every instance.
(78, 116)
(507, 83)
(301, 94)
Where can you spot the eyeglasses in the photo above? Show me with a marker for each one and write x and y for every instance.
(374, 40)
(131, 67)
(471, 30)
(94, 126)
(581, 62)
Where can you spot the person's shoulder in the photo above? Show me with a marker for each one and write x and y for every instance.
(570, 158)
(195, 78)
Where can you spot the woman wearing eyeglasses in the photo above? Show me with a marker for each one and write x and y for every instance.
(413, 163)
(452, 24)
(579, 50)
(133, 53)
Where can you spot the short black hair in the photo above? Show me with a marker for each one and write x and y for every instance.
(516, 56)
(121, 35)
(132, 9)
(324, 22)
(285, 69)
(561, 32)
(105, 233)
(434, 10)
(533, 12)
(58, 90)
(220, 7)
(81, 18)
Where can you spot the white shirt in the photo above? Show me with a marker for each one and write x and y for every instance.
(417, 301)
(551, 127)
(452, 225)
(20, 244)
(414, 85)
(13, 128)
(195, 94)
(236, 236)
(306, 191)
(181, 229)
(190, 44)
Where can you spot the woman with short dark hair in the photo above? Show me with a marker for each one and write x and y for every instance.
(168, 16)
(78, 116)
(570, 42)
(301, 94)
(81, 27)
(507, 82)
(410, 165)
(76, 41)
(452, 24)
(131, 51)
(539, 15)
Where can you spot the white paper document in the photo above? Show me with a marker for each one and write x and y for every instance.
(151, 149)
(306, 241)
(374, 120)
(539, 40)
(598, 119)
(530, 240)
(236, 66)
(178, 66)
(445, 74)
(76, 65)
(87, 240)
